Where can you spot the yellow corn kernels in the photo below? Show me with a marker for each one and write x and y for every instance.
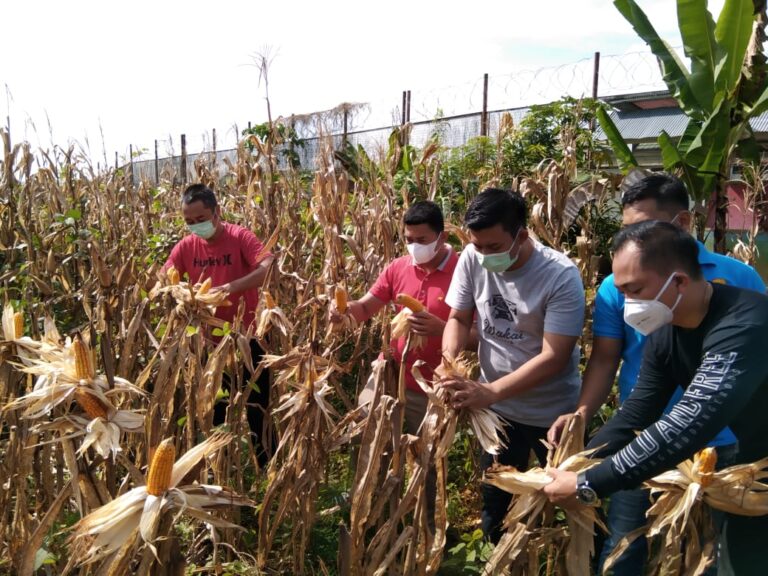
(173, 276)
(269, 302)
(91, 404)
(704, 464)
(83, 369)
(341, 299)
(159, 476)
(409, 302)
(18, 325)
(205, 286)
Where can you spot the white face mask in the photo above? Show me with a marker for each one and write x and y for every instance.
(423, 253)
(647, 316)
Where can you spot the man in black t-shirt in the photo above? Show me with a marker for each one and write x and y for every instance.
(710, 339)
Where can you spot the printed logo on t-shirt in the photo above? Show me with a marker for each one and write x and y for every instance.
(500, 318)
(224, 260)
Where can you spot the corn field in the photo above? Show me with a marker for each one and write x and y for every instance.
(109, 459)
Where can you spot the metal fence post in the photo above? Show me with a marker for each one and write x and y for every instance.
(183, 158)
(130, 161)
(157, 166)
(484, 116)
(596, 75)
(408, 108)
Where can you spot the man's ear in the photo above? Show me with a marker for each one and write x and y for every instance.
(684, 220)
(683, 281)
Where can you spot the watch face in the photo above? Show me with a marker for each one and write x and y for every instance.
(586, 495)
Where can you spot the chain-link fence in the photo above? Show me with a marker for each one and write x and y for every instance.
(454, 112)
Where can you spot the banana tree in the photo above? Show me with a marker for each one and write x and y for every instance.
(723, 89)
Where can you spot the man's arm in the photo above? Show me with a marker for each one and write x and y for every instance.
(361, 310)
(720, 390)
(554, 357)
(254, 279)
(598, 379)
(457, 332)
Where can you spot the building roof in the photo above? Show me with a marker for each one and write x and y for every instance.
(645, 125)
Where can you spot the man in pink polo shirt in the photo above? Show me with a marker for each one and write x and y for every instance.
(235, 260)
(425, 273)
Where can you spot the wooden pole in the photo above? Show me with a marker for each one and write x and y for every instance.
(115, 160)
(157, 166)
(130, 156)
(213, 132)
(346, 120)
(404, 104)
(595, 75)
(484, 116)
(408, 116)
(183, 158)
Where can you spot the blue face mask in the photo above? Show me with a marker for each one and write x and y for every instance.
(204, 230)
(499, 262)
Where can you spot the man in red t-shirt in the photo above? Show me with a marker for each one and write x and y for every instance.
(426, 275)
(236, 262)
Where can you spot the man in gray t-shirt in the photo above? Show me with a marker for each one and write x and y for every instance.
(529, 306)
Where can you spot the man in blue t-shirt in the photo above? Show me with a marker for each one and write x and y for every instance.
(655, 197)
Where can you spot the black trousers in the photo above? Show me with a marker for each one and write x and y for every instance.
(521, 439)
(257, 407)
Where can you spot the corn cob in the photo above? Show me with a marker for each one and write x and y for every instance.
(409, 302)
(704, 464)
(83, 369)
(91, 404)
(159, 476)
(205, 286)
(341, 299)
(173, 276)
(18, 325)
(269, 302)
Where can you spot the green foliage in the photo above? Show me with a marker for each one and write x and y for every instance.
(469, 555)
(709, 94)
(282, 136)
(539, 135)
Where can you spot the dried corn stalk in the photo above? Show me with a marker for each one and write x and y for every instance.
(531, 508)
(680, 516)
(296, 470)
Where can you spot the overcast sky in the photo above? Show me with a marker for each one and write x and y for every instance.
(143, 70)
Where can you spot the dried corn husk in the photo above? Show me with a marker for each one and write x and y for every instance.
(680, 518)
(272, 316)
(401, 327)
(107, 528)
(486, 424)
(531, 508)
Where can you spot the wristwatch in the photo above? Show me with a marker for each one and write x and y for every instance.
(584, 492)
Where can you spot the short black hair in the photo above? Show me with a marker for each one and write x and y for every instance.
(200, 193)
(668, 191)
(496, 206)
(664, 248)
(425, 212)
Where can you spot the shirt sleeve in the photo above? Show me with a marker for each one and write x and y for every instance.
(461, 294)
(721, 388)
(608, 315)
(251, 248)
(753, 281)
(384, 286)
(565, 308)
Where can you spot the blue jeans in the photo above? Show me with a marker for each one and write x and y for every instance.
(521, 439)
(626, 512)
